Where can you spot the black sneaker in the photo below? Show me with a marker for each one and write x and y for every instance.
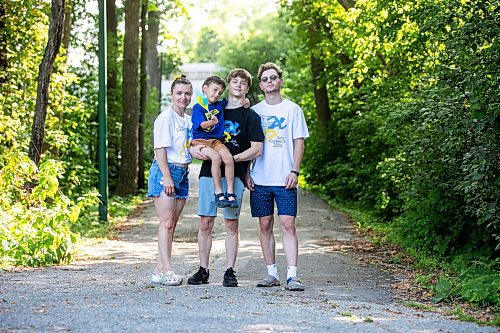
(230, 278)
(200, 277)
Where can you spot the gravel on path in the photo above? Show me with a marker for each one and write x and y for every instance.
(107, 289)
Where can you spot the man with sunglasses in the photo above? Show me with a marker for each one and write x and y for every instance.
(274, 175)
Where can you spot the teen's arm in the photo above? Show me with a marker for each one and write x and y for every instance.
(251, 153)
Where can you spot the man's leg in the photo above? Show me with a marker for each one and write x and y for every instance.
(232, 242)
(231, 220)
(207, 212)
(262, 204)
(290, 241)
(205, 239)
(286, 201)
(267, 240)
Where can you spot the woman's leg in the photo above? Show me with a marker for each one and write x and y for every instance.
(169, 211)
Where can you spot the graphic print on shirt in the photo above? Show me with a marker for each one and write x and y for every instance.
(209, 115)
(272, 126)
(188, 134)
(231, 130)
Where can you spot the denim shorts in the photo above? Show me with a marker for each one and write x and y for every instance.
(262, 200)
(206, 198)
(179, 176)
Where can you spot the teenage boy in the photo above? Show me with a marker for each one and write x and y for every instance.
(274, 175)
(243, 137)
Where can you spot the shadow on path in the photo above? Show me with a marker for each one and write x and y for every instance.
(106, 289)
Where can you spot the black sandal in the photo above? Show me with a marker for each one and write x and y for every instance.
(232, 203)
(221, 201)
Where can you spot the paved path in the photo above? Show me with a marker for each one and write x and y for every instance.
(106, 289)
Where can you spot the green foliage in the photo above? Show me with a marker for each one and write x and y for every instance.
(250, 50)
(414, 136)
(414, 100)
(35, 224)
(478, 284)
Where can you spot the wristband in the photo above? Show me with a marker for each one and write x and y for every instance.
(295, 172)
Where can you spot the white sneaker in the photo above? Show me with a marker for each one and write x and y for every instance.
(167, 278)
(156, 277)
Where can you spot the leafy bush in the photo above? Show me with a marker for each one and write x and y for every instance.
(478, 284)
(35, 223)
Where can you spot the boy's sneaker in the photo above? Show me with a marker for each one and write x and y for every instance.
(268, 281)
(230, 278)
(200, 277)
(294, 284)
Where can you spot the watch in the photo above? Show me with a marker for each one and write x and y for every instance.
(295, 172)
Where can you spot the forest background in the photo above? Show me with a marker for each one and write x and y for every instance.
(401, 98)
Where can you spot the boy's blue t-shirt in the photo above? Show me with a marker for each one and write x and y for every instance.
(200, 115)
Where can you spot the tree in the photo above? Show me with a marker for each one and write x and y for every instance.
(127, 177)
(45, 70)
(3, 44)
(143, 106)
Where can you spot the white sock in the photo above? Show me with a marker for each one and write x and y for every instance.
(273, 271)
(291, 271)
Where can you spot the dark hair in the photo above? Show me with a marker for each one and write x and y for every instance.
(242, 73)
(214, 79)
(267, 66)
(179, 79)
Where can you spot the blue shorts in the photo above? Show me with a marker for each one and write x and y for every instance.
(262, 200)
(206, 199)
(179, 176)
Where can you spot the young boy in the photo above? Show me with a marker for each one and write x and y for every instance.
(208, 130)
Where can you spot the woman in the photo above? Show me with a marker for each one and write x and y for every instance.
(168, 182)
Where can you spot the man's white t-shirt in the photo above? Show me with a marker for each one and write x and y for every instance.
(173, 133)
(281, 123)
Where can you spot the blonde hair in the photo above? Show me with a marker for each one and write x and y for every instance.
(267, 66)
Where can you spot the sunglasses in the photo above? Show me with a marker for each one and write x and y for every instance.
(271, 78)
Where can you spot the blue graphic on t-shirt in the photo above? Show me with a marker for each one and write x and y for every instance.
(274, 122)
(231, 128)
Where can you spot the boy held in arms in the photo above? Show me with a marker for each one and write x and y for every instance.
(208, 130)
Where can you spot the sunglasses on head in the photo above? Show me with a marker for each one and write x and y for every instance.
(272, 78)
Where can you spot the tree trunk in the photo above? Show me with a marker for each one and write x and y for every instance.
(127, 176)
(3, 45)
(320, 93)
(65, 42)
(113, 91)
(66, 34)
(144, 94)
(45, 70)
(152, 56)
(111, 28)
(319, 81)
(347, 4)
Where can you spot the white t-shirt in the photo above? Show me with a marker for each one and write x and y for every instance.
(173, 133)
(281, 124)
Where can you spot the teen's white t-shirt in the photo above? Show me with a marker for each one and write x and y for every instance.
(173, 133)
(281, 124)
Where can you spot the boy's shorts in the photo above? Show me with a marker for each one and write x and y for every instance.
(206, 198)
(179, 176)
(215, 144)
(262, 200)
